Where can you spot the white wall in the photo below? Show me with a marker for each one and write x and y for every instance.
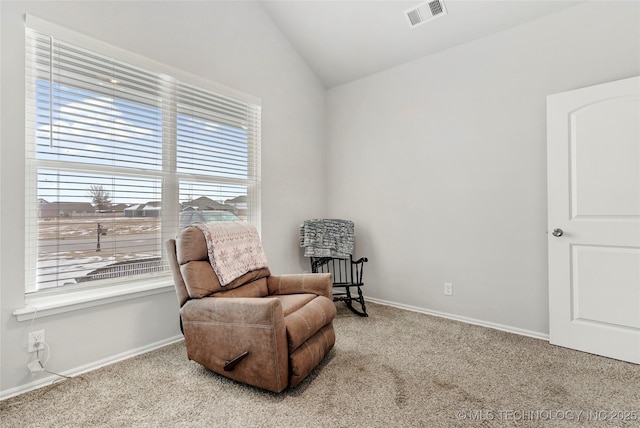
(231, 43)
(441, 162)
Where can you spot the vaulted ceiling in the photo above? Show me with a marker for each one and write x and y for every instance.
(346, 40)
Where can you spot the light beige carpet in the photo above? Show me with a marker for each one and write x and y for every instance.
(393, 369)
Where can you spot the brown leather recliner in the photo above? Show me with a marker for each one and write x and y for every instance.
(261, 329)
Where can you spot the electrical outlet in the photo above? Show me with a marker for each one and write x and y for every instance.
(36, 337)
(448, 289)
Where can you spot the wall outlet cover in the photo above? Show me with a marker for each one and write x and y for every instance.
(35, 337)
(448, 289)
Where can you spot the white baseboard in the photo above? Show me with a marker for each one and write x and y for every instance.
(508, 329)
(138, 351)
(39, 383)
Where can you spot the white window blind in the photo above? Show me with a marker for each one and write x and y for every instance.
(119, 157)
(217, 151)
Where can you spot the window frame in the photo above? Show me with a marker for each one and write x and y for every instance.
(54, 298)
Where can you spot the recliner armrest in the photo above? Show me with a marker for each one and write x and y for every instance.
(233, 310)
(315, 283)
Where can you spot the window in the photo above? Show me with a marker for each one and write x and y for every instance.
(119, 157)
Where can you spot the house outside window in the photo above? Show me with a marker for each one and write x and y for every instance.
(119, 157)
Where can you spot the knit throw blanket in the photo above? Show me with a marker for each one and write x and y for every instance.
(327, 238)
(234, 248)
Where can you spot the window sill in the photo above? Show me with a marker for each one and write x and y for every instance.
(40, 306)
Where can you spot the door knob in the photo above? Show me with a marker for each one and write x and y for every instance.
(557, 232)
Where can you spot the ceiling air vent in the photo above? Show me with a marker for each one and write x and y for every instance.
(425, 12)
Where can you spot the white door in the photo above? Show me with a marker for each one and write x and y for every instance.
(593, 177)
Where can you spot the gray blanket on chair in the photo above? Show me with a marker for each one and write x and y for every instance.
(327, 237)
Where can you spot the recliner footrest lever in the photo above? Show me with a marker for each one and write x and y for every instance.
(231, 364)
